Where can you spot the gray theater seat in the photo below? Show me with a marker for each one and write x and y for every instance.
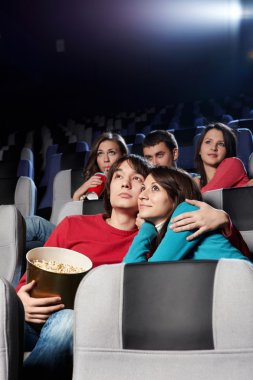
(238, 203)
(25, 197)
(11, 333)
(251, 166)
(178, 320)
(12, 240)
(86, 207)
(65, 184)
(70, 208)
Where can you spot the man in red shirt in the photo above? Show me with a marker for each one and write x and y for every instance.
(105, 239)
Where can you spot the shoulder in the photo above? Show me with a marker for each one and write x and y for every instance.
(183, 207)
(83, 219)
(231, 162)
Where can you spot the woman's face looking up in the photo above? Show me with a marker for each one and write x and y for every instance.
(155, 205)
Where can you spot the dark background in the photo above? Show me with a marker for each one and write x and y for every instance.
(61, 59)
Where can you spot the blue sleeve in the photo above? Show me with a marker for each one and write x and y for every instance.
(140, 246)
(174, 245)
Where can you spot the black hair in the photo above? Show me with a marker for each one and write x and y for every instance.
(138, 163)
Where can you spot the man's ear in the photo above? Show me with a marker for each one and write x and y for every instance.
(175, 154)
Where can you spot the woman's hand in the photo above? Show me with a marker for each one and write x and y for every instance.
(207, 218)
(38, 310)
(93, 181)
(250, 183)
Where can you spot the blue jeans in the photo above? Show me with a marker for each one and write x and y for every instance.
(38, 231)
(52, 348)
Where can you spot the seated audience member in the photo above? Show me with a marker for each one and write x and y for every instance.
(162, 198)
(104, 239)
(216, 160)
(48, 325)
(160, 148)
(104, 152)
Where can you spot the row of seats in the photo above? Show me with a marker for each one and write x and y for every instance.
(178, 320)
(70, 154)
(199, 325)
(208, 328)
(237, 202)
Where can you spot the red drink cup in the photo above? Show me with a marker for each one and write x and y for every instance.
(96, 191)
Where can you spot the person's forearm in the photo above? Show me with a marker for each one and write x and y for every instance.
(140, 246)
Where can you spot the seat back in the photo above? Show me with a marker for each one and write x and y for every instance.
(25, 168)
(21, 192)
(251, 166)
(244, 145)
(185, 140)
(70, 208)
(11, 332)
(177, 320)
(86, 207)
(75, 160)
(8, 169)
(137, 148)
(238, 203)
(25, 197)
(7, 190)
(12, 238)
(65, 184)
(92, 207)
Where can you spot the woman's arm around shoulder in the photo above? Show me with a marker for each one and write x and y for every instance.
(175, 246)
(141, 244)
(204, 218)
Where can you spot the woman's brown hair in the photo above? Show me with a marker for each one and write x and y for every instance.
(92, 167)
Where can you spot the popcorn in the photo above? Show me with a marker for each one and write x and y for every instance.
(56, 267)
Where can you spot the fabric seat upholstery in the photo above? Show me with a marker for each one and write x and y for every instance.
(64, 186)
(177, 320)
(86, 207)
(12, 240)
(238, 203)
(11, 332)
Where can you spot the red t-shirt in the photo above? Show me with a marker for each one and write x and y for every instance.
(230, 173)
(92, 236)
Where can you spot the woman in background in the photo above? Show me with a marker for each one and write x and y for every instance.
(104, 152)
(216, 160)
(163, 198)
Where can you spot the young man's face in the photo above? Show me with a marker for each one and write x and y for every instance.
(160, 155)
(125, 187)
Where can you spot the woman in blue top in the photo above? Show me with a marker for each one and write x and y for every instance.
(163, 198)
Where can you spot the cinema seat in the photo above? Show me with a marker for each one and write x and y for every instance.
(64, 185)
(12, 240)
(86, 207)
(238, 203)
(11, 332)
(177, 320)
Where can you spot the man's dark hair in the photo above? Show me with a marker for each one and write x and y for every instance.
(138, 163)
(156, 137)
